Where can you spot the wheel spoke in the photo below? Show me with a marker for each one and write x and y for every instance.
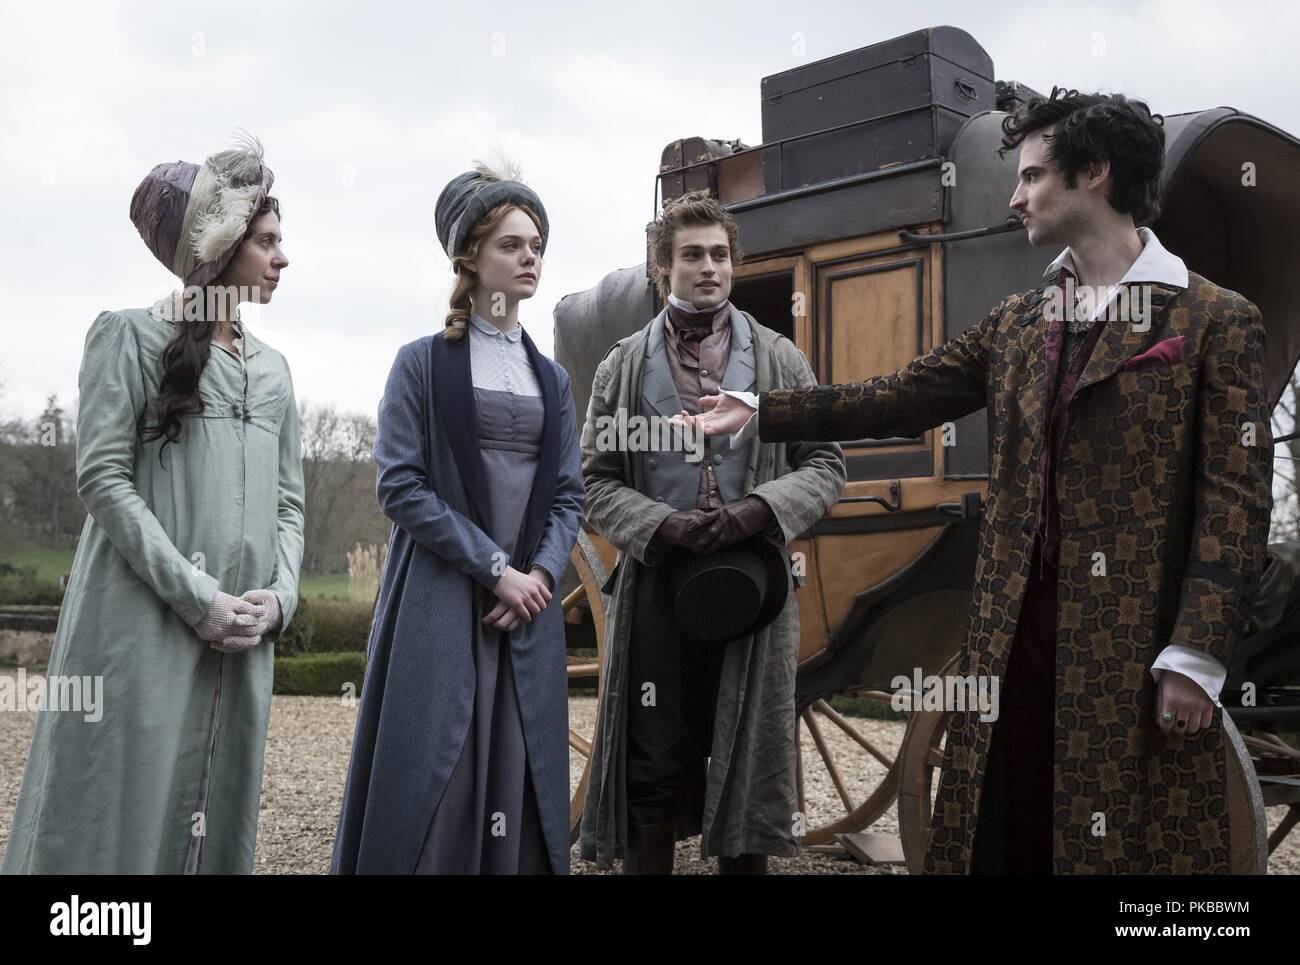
(585, 599)
(1273, 743)
(580, 744)
(848, 728)
(1284, 828)
(573, 599)
(827, 759)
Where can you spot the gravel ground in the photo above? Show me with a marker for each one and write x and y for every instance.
(306, 761)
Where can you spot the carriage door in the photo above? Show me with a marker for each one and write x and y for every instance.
(767, 289)
(875, 307)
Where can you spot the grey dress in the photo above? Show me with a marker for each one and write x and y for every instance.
(487, 821)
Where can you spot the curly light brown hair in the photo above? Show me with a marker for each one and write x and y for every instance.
(693, 209)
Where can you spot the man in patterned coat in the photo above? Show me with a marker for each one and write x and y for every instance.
(1123, 539)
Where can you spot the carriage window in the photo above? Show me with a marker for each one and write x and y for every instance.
(767, 298)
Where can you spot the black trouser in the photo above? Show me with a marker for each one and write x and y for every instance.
(668, 742)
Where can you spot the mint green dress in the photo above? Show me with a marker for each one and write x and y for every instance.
(168, 779)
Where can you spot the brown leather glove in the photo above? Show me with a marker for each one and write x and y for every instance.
(733, 523)
(684, 528)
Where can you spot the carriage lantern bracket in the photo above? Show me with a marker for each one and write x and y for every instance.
(1013, 223)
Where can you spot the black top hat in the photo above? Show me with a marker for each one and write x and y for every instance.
(724, 595)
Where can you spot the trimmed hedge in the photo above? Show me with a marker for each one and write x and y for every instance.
(865, 707)
(339, 626)
(321, 625)
(320, 674)
(297, 639)
(20, 586)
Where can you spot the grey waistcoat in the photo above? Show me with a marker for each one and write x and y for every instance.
(673, 472)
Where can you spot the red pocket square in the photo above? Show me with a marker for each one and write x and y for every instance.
(1168, 351)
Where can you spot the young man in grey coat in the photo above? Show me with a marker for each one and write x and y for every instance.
(694, 738)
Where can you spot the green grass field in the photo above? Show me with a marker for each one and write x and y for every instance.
(50, 564)
(326, 584)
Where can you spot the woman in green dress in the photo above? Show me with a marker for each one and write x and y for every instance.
(189, 464)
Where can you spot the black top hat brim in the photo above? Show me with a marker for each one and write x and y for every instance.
(724, 595)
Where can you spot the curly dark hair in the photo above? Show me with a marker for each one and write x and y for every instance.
(690, 210)
(1089, 128)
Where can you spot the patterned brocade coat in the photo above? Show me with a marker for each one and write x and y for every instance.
(1160, 482)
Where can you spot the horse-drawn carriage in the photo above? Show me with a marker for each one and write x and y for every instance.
(874, 220)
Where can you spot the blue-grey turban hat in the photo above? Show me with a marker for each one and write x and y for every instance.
(468, 197)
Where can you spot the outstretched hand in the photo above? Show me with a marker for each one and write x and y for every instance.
(720, 414)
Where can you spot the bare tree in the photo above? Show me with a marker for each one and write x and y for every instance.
(338, 479)
(38, 473)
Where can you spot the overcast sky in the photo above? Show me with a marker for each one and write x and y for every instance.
(368, 109)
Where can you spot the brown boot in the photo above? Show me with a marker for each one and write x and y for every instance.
(743, 864)
(649, 849)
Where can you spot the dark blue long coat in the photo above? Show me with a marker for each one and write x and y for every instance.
(418, 696)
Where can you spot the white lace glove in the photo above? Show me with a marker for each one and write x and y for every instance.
(270, 604)
(231, 622)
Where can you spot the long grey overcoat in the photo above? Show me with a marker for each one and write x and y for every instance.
(750, 800)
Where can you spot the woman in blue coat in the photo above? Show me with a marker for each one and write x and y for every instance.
(460, 758)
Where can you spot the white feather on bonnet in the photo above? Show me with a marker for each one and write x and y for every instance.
(193, 216)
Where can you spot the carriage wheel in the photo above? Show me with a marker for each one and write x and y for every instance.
(1247, 824)
(1277, 765)
(921, 757)
(857, 809)
(587, 561)
(919, 760)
